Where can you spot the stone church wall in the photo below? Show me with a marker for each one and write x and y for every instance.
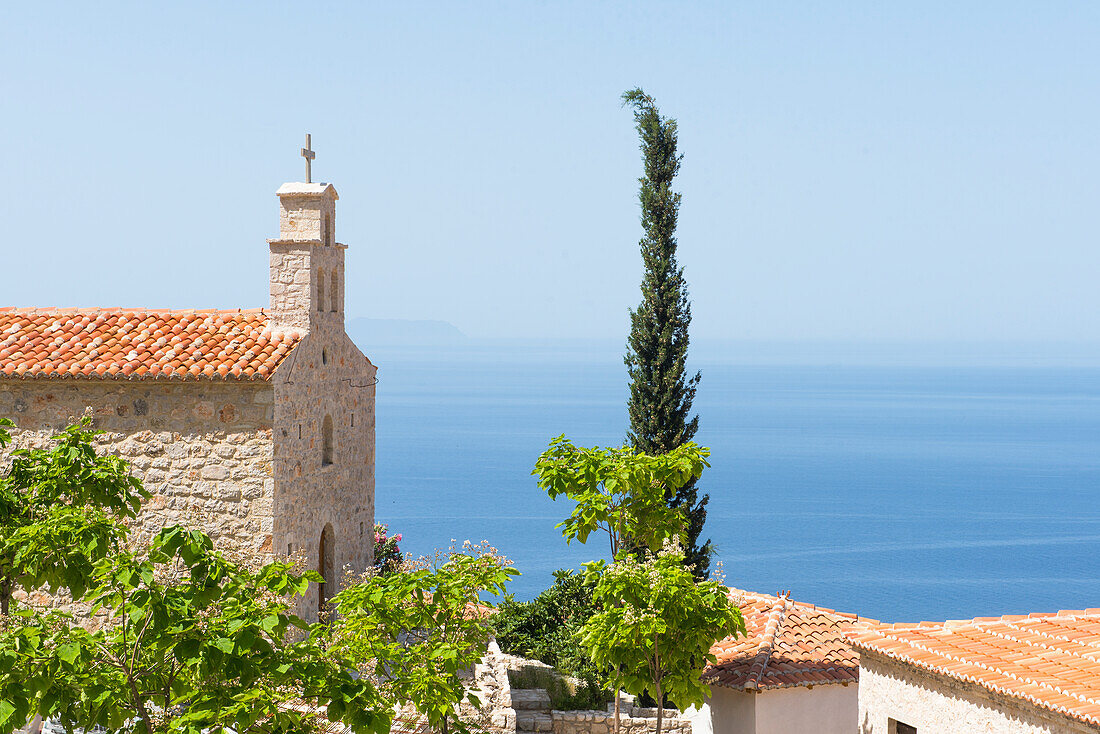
(325, 377)
(204, 450)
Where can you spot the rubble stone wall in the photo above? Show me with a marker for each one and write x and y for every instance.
(602, 722)
(204, 450)
(935, 703)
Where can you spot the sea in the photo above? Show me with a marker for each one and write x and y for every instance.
(902, 484)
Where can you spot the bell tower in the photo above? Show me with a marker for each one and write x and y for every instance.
(307, 264)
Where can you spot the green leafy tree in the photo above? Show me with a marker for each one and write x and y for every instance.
(418, 628)
(61, 511)
(191, 643)
(622, 492)
(619, 491)
(546, 628)
(661, 390)
(656, 626)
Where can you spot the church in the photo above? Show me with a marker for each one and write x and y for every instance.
(256, 423)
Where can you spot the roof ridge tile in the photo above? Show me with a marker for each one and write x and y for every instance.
(767, 641)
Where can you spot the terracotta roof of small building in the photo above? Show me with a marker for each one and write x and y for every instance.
(1049, 660)
(120, 343)
(789, 644)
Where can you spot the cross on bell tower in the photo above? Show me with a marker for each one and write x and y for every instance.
(309, 155)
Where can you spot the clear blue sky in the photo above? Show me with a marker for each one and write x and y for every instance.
(852, 170)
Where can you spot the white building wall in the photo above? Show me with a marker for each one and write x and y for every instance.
(830, 709)
(934, 704)
(727, 711)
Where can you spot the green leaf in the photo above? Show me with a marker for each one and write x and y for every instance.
(68, 652)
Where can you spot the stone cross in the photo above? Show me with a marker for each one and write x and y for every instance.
(309, 155)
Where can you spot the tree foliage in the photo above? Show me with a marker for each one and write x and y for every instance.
(656, 626)
(661, 390)
(655, 621)
(619, 491)
(546, 628)
(191, 643)
(419, 628)
(61, 511)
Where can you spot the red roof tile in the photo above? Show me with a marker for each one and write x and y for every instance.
(1049, 660)
(789, 644)
(140, 344)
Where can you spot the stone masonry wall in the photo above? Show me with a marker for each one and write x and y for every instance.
(632, 719)
(204, 450)
(602, 722)
(325, 376)
(934, 703)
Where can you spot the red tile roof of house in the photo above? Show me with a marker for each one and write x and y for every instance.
(1049, 660)
(118, 343)
(789, 644)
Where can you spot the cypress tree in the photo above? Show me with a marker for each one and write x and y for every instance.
(661, 391)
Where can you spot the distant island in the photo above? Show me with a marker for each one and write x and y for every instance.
(403, 332)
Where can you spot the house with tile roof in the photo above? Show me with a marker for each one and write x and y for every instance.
(1033, 674)
(794, 671)
(257, 424)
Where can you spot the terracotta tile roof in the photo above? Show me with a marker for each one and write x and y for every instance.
(132, 344)
(1049, 660)
(789, 644)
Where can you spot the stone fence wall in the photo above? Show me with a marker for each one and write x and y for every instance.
(522, 716)
(602, 722)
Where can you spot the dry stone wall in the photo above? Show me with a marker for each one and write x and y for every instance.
(528, 710)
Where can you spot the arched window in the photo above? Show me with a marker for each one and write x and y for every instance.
(320, 290)
(326, 441)
(335, 295)
(326, 566)
(327, 233)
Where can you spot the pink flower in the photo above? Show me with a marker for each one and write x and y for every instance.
(397, 537)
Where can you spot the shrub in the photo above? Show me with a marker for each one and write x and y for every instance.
(387, 556)
(565, 694)
(546, 627)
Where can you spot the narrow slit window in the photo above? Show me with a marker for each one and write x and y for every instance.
(320, 290)
(326, 441)
(335, 293)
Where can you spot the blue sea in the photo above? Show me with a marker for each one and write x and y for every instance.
(899, 492)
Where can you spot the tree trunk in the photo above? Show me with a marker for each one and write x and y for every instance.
(657, 684)
(660, 706)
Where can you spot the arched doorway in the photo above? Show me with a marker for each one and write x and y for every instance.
(326, 566)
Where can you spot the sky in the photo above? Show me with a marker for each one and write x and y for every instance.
(852, 171)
